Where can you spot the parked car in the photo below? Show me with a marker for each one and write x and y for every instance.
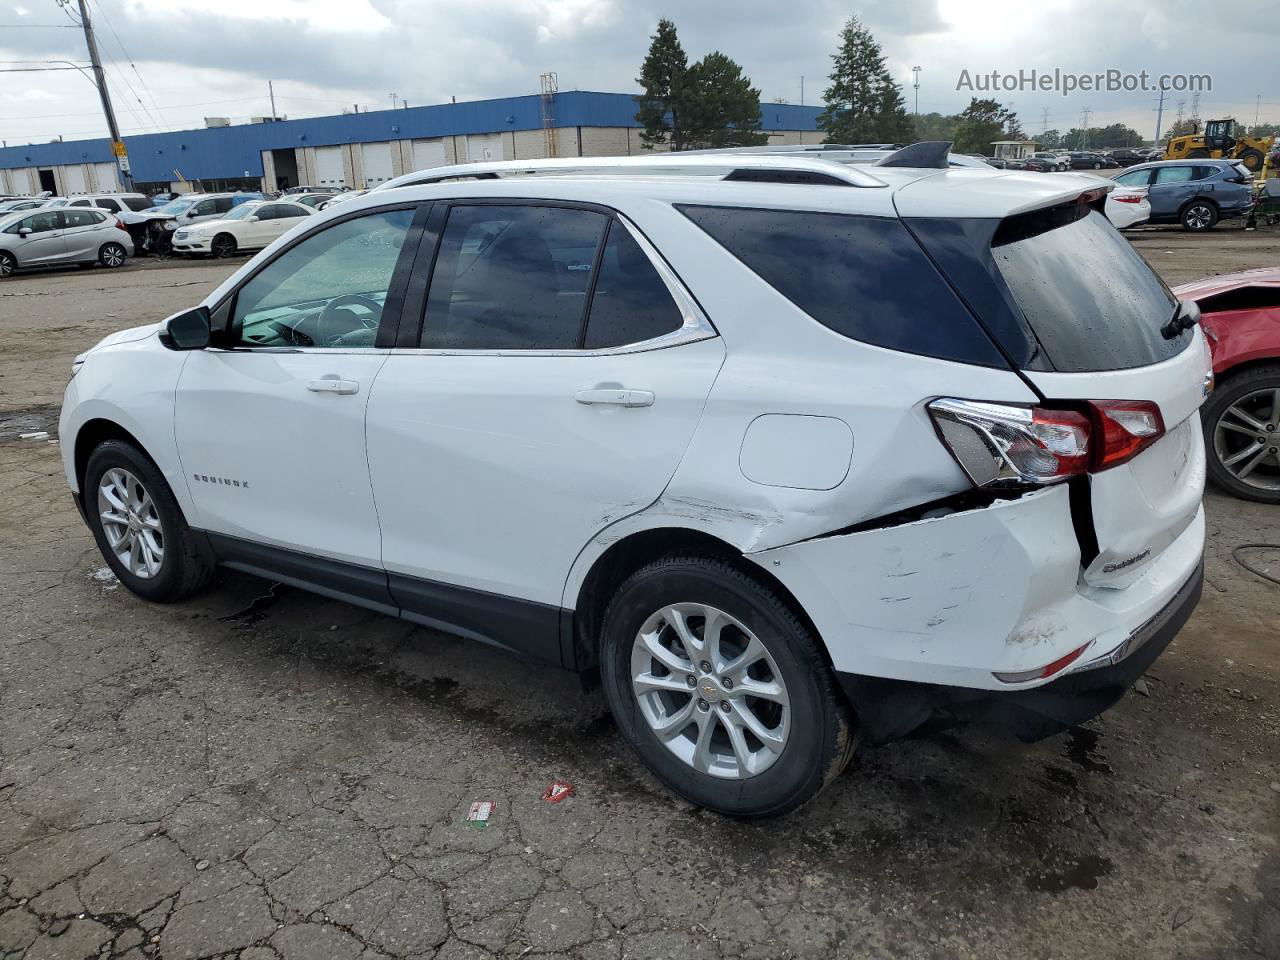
(1126, 157)
(1056, 161)
(309, 188)
(1039, 165)
(53, 237)
(1194, 193)
(1128, 207)
(574, 454)
(997, 162)
(313, 200)
(1240, 315)
(195, 207)
(114, 202)
(249, 226)
(341, 198)
(1084, 160)
(28, 203)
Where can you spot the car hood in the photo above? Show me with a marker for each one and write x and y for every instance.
(128, 335)
(1199, 289)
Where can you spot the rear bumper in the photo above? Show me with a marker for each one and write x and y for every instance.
(891, 709)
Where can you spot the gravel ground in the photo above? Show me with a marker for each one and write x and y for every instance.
(265, 773)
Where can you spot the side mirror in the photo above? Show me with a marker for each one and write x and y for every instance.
(24, 231)
(254, 219)
(187, 331)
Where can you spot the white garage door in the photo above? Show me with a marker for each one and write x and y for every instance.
(376, 159)
(329, 172)
(485, 147)
(105, 174)
(73, 180)
(428, 153)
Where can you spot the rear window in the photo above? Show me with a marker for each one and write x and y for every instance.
(863, 277)
(1091, 300)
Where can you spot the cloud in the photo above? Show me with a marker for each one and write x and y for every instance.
(325, 53)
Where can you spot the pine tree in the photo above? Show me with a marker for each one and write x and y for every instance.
(984, 121)
(722, 109)
(663, 77)
(864, 104)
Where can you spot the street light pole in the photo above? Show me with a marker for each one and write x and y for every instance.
(915, 82)
(117, 145)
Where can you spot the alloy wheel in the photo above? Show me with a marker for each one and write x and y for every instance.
(6, 266)
(1246, 439)
(710, 691)
(223, 247)
(1198, 217)
(113, 255)
(131, 523)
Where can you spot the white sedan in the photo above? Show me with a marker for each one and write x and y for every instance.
(1128, 207)
(250, 226)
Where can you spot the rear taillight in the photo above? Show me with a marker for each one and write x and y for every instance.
(1125, 428)
(1000, 444)
(1134, 199)
(120, 225)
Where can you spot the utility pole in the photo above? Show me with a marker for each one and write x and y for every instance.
(802, 89)
(1257, 109)
(915, 82)
(271, 92)
(394, 97)
(1085, 114)
(1160, 117)
(117, 145)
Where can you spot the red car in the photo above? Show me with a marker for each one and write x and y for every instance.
(1240, 314)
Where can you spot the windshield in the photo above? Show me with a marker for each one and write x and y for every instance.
(242, 212)
(1092, 301)
(175, 207)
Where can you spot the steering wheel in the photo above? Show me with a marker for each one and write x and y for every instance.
(329, 317)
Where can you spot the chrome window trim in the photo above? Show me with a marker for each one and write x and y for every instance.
(696, 326)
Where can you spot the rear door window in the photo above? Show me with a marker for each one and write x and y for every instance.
(1091, 300)
(512, 277)
(866, 278)
(630, 303)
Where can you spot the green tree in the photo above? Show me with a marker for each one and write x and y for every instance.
(1050, 140)
(863, 103)
(1180, 128)
(662, 77)
(722, 109)
(1264, 130)
(936, 126)
(983, 122)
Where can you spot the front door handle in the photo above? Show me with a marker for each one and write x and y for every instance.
(618, 396)
(333, 385)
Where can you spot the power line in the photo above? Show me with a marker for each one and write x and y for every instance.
(38, 26)
(120, 43)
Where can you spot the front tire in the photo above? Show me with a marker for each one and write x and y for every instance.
(139, 526)
(1252, 159)
(223, 246)
(1243, 454)
(112, 255)
(1198, 216)
(721, 689)
(8, 265)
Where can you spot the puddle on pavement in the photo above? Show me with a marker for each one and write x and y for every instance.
(41, 419)
(1080, 873)
(1082, 750)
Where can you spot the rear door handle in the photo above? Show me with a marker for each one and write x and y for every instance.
(617, 396)
(333, 385)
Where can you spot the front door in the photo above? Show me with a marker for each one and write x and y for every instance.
(540, 404)
(270, 421)
(44, 243)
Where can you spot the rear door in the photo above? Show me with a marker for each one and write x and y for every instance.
(1102, 320)
(81, 233)
(553, 388)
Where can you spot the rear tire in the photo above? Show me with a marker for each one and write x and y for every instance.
(8, 265)
(1255, 393)
(1199, 216)
(799, 710)
(223, 246)
(1200, 153)
(139, 526)
(112, 255)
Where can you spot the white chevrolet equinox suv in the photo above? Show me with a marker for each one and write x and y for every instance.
(791, 454)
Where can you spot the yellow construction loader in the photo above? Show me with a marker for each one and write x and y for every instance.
(1219, 141)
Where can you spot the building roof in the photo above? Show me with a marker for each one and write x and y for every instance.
(236, 151)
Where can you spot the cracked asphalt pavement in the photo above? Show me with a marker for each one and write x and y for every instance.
(262, 773)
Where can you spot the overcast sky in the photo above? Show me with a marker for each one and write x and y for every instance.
(188, 59)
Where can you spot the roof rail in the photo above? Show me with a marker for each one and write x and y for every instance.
(725, 166)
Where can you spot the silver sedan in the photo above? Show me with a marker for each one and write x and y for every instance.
(49, 237)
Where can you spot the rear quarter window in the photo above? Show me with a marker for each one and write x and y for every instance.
(865, 278)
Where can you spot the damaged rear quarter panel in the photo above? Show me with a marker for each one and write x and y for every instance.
(942, 599)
